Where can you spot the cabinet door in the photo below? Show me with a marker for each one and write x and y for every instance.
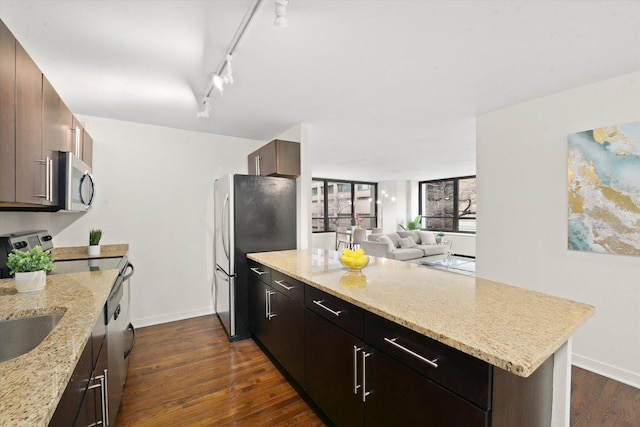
(286, 320)
(332, 370)
(87, 148)
(252, 163)
(70, 402)
(258, 322)
(400, 396)
(78, 134)
(268, 163)
(7, 115)
(30, 168)
(65, 128)
(50, 139)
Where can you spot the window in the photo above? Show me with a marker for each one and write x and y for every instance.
(449, 204)
(336, 203)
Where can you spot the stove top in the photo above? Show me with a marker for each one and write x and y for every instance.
(93, 264)
(27, 240)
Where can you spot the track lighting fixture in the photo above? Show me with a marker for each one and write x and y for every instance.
(281, 13)
(204, 114)
(218, 81)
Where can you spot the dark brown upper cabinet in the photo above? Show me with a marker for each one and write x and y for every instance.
(277, 158)
(30, 165)
(7, 114)
(34, 125)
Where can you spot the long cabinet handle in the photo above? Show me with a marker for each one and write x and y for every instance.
(257, 271)
(282, 283)
(50, 160)
(320, 303)
(104, 396)
(393, 342)
(270, 315)
(78, 136)
(356, 386)
(365, 393)
(48, 166)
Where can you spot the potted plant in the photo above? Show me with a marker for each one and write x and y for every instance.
(414, 224)
(94, 242)
(30, 268)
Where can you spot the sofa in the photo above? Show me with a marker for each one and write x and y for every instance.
(403, 245)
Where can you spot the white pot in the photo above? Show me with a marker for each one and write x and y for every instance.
(94, 250)
(31, 281)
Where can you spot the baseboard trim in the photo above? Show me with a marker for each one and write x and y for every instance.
(171, 317)
(620, 375)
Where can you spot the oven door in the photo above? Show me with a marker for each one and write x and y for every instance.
(77, 186)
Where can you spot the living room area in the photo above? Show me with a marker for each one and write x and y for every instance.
(446, 214)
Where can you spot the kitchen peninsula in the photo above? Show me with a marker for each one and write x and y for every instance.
(513, 337)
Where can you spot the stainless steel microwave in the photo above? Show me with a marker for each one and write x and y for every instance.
(76, 185)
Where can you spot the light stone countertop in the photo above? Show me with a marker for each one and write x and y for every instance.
(509, 327)
(80, 252)
(31, 385)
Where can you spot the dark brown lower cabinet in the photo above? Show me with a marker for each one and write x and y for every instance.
(333, 380)
(361, 369)
(67, 409)
(85, 399)
(277, 321)
(399, 396)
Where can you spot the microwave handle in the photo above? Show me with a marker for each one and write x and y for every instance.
(86, 175)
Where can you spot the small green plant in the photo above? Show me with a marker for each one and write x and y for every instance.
(34, 260)
(414, 224)
(94, 237)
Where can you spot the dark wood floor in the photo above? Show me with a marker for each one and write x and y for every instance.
(186, 373)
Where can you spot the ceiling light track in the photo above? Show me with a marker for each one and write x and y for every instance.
(217, 80)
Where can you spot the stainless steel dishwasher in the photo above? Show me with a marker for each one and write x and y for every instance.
(119, 345)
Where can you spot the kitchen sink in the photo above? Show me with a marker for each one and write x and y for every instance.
(20, 336)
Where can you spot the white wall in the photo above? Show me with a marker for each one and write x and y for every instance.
(522, 218)
(155, 192)
(298, 133)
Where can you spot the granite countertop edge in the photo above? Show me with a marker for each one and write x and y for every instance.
(517, 358)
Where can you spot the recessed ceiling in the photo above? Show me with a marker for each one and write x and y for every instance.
(388, 89)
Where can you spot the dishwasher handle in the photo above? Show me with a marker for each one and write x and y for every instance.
(127, 276)
(133, 341)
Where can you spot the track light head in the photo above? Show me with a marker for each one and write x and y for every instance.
(204, 114)
(281, 13)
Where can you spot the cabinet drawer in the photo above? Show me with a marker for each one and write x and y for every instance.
(463, 374)
(289, 286)
(346, 315)
(259, 271)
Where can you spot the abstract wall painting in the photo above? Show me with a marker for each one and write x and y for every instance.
(604, 190)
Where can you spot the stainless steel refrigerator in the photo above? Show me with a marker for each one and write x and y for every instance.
(252, 214)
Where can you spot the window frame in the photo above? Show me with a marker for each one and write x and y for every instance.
(325, 188)
(456, 189)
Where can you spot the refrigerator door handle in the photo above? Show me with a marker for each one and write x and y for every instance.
(225, 226)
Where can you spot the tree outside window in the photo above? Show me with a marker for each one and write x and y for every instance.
(449, 204)
(336, 203)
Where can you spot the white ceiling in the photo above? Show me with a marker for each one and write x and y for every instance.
(388, 89)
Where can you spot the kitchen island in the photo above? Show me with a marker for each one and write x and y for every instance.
(32, 384)
(509, 328)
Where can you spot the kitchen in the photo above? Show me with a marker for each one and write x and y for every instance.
(174, 210)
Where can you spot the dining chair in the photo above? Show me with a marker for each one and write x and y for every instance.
(342, 237)
(359, 235)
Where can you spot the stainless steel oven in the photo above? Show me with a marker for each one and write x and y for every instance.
(76, 185)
